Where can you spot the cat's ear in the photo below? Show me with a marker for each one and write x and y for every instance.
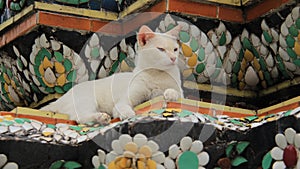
(144, 34)
(175, 31)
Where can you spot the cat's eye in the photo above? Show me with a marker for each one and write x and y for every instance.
(161, 49)
(176, 49)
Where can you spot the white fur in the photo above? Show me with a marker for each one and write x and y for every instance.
(155, 74)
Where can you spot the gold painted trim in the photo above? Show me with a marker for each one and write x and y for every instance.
(16, 18)
(40, 113)
(230, 2)
(219, 90)
(138, 5)
(216, 106)
(279, 105)
(76, 11)
(199, 104)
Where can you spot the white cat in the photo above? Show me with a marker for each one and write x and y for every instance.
(156, 73)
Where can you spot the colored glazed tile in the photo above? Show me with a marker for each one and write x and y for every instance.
(188, 160)
(159, 111)
(184, 36)
(184, 113)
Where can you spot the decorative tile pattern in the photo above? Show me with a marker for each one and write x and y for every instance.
(286, 154)
(4, 164)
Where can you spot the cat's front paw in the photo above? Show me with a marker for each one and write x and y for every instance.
(102, 118)
(171, 95)
(123, 111)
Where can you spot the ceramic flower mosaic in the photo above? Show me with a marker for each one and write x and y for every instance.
(286, 153)
(189, 154)
(138, 152)
(131, 152)
(4, 164)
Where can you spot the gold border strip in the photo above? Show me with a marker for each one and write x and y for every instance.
(76, 11)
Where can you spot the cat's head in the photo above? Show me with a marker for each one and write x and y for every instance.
(160, 50)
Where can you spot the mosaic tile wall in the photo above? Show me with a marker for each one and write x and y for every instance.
(244, 61)
(9, 8)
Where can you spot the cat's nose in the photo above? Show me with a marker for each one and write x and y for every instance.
(173, 59)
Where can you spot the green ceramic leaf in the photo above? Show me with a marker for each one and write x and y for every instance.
(234, 79)
(287, 113)
(59, 89)
(68, 65)
(114, 67)
(267, 36)
(76, 128)
(57, 164)
(263, 64)
(22, 2)
(37, 71)
(101, 167)
(201, 54)
(51, 126)
(9, 73)
(251, 118)
(71, 77)
(222, 40)
(241, 55)
(19, 120)
(41, 82)
(188, 159)
(298, 23)
(290, 41)
(20, 64)
(194, 44)
(1, 4)
(236, 67)
(122, 56)
(291, 53)
(68, 86)
(267, 160)
(247, 44)
(49, 90)
(293, 31)
(171, 26)
(219, 63)
(215, 74)
(34, 88)
(58, 56)
(200, 68)
(241, 146)
(184, 36)
(229, 149)
(238, 161)
(95, 53)
(72, 165)
(297, 62)
(255, 53)
(267, 75)
(17, 6)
